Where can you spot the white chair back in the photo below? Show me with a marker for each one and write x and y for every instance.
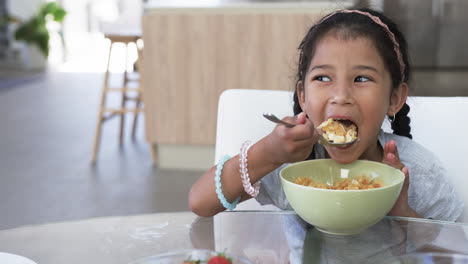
(240, 117)
(434, 121)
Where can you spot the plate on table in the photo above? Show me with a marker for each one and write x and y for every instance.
(14, 259)
(191, 256)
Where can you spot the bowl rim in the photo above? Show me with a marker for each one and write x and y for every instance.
(346, 191)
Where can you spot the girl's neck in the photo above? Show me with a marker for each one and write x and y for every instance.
(373, 153)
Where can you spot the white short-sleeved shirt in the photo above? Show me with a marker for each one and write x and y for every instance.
(430, 193)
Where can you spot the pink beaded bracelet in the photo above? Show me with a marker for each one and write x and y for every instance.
(244, 172)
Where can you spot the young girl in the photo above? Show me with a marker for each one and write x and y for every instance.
(353, 65)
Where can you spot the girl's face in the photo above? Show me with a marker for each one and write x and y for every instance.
(347, 79)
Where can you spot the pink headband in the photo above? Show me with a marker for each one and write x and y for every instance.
(396, 46)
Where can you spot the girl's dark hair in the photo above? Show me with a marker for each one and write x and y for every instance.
(357, 25)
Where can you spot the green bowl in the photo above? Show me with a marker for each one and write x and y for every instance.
(343, 212)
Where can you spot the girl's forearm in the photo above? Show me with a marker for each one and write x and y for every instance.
(203, 199)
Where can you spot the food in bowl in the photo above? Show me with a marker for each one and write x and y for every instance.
(360, 183)
(338, 130)
(341, 211)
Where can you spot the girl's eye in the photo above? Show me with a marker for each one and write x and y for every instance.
(361, 79)
(322, 78)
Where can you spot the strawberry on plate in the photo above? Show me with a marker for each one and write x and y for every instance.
(221, 259)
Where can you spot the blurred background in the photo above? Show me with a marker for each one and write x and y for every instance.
(53, 63)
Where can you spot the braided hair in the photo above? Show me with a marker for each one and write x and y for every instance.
(400, 122)
(356, 24)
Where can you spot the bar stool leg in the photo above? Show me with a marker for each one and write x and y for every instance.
(100, 120)
(124, 97)
(138, 104)
(154, 153)
(135, 117)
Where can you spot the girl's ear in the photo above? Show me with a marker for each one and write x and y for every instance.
(398, 99)
(300, 94)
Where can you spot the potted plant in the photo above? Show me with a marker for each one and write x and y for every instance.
(34, 31)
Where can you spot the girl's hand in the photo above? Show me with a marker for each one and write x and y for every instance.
(391, 158)
(286, 145)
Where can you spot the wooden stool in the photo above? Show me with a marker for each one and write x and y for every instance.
(106, 113)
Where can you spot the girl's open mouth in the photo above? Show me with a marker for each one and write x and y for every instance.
(337, 130)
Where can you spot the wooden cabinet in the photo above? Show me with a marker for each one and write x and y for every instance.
(191, 56)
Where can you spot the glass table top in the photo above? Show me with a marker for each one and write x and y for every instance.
(261, 236)
(285, 237)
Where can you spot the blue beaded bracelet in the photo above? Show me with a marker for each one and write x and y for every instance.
(219, 191)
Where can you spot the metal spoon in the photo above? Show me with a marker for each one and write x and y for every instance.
(322, 140)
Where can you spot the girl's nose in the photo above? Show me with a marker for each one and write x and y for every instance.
(342, 94)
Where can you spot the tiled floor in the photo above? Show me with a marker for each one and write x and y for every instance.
(46, 133)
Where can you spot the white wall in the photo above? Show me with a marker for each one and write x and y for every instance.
(23, 9)
(76, 20)
(98, 15)
(132, 10)
(128, 18)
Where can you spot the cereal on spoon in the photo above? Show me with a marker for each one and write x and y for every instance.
(338, 131)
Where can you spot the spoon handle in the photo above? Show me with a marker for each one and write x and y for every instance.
(275, 119)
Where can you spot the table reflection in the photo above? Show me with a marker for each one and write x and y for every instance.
(284, 237)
